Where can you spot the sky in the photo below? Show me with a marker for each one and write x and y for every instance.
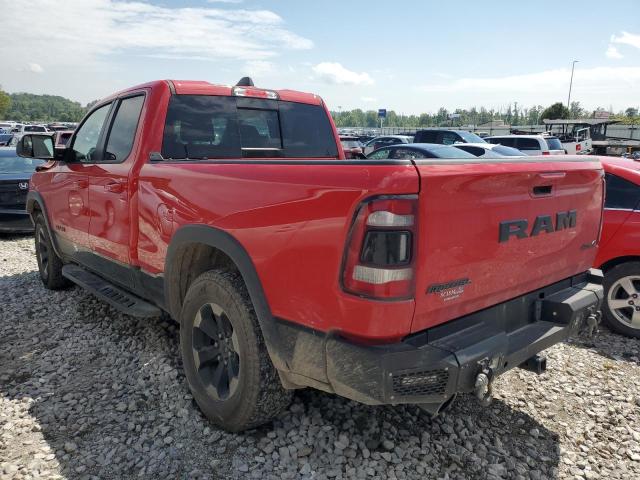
(409, 56)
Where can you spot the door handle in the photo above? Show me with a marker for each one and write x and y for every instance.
(114, 187)
(80, 184)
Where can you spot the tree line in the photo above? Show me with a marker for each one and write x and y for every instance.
(28, 107)
(513, 114)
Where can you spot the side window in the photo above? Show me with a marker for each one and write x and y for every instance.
(381, 154)
(528, 144)
(506, 141)
(426, 136)
(201, 126)
(407, 154)
(621, 193)
(448, 138)
(475, 151)
(123, 129)
(88, 135)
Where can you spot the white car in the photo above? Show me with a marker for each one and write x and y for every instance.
(489, 150)
(530, 144)
(385, 141)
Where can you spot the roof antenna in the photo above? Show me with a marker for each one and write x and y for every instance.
(245, 82)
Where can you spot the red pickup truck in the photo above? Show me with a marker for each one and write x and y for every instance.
(234, 210)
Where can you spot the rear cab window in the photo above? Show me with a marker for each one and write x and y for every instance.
(528, 144)
(554, 143)
(217, 127)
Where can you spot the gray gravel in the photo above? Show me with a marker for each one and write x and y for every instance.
(86, 392)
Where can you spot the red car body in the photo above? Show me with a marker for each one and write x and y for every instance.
(487, 240)
(619, 251)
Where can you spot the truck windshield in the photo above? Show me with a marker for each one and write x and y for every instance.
(210, 127)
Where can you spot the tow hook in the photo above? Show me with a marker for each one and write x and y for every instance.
(593, 321)
(483, 388)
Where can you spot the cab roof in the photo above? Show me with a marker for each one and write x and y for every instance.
(199, 87)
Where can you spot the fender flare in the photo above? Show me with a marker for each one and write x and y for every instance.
(34, 198)
(221, 240)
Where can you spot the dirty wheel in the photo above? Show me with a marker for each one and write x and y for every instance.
(226, 362)
(49, 264)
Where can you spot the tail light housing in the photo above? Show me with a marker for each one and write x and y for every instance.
(379, 256)
(546, 153)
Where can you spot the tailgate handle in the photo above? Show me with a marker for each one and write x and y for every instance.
(541, 190)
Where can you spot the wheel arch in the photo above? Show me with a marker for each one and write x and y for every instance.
(195, 249)
(35, 203)
(614, 262)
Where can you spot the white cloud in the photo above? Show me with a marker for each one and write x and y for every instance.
(258, 67)
(224, 1)
(31, 67)
(335, 73)
(86, 32)
(369, 99)
(631, 39)
(613, 52)
(589, 80)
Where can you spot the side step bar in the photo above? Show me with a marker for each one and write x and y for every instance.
(108, 292)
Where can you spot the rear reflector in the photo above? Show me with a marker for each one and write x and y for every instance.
(378, 276)
(389, 219)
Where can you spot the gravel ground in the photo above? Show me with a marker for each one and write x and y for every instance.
(86, 392)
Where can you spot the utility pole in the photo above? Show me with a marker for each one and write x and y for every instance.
(573, 65)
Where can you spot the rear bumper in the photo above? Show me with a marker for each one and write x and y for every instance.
(15, 221)
(432, 366)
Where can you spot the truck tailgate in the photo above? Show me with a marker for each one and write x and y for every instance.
(490, 232)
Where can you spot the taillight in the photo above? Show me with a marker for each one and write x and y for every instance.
(380, 252)
(578, 147)
(546, 153)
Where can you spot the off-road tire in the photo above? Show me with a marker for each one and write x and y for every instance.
(259, 395)
(611, 278)
(49, 264)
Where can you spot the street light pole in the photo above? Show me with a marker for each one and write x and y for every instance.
(573, 65)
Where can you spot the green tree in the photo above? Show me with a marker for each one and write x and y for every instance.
(555, 111)
(5, 103)
(631, 112)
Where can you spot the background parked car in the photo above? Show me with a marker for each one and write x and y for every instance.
(489, 150)
(351, 146)
(385, 141)
(530, 144)
(5, 139)
(446, 137)
(413, 151)
(15, 173)
(619, 250)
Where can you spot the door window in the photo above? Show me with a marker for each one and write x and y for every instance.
(88, 135)
(448, 138)
(407, 154)
(621, 193)
(123, 129)
(381, 154)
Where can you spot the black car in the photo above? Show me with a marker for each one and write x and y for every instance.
(446, 137)
(416, 151)
(15, 173)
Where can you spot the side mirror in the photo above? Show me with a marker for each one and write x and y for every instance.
(36, 146)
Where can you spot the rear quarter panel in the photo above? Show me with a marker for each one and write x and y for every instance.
(292, 219)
